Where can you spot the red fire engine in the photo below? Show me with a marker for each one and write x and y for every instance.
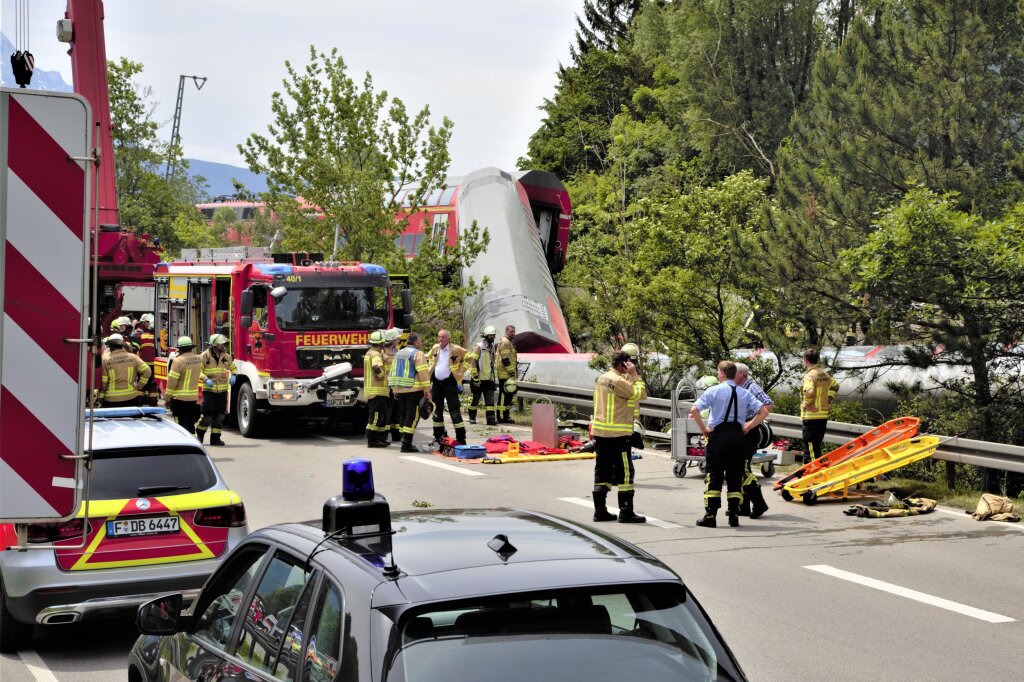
(298, 328)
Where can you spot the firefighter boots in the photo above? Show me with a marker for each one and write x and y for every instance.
(215, 439)
(460, 436)
(601, 512)
(200, 434)
(626, 513)
(708, 520)
(733, 512)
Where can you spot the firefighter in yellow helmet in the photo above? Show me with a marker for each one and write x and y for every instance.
(817, 393)
(392, 341)
(508, 372)
(123, 374)
(375, 387)
(611, 429)
(145, 343)
(218, 375)
(182, 391)
(481, 366)
(410, 380)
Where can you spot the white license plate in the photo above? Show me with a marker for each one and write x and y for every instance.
(151, 525)
(335, 403)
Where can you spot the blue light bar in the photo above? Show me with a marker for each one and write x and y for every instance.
(111, 412)
(371, 269)
(357, 480)
(274, 269)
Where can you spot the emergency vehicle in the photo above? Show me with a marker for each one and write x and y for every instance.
(299, 329)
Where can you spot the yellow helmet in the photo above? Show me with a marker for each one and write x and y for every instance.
(218, 340)
(122, 321)
(185, 342)
(376, 338)
(631, 350)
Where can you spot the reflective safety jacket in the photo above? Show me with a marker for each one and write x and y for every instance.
(123, 374)
(818, 392)
(375, 373)
(507, 359)
(482, 362)
(614, 396)
(410, 371)
(145, 341)
(219, 369)
(183, 377)
(456, 359)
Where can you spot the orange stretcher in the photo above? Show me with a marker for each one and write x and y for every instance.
(892, 431)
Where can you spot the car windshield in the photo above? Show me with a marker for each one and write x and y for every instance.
(639, 632)
(332, 308)
(144, 472)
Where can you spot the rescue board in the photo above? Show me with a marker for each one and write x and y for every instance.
(892, 431)
(839, 477)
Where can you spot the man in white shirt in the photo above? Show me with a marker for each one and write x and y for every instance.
(447, 365)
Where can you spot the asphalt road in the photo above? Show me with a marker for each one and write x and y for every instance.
(803, 593)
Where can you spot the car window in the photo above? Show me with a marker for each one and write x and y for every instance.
(271, 610)
(221, 600)
(145, 472)
(288, 659)
(324, 650)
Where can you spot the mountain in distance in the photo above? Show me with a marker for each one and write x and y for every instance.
(218, 177)
(42, 79)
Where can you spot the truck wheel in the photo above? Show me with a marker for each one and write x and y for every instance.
(13, 635)
(245, 409)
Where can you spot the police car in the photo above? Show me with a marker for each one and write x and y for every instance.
(160, 519)
(461, 595)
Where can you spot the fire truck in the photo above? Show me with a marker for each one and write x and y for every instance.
(299, 329)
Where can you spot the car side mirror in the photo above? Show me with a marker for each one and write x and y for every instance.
(162, 616)
(246, 304)
(406, 299)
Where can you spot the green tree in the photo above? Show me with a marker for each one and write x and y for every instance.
(605, 23)
(148, 202)
(347, 165)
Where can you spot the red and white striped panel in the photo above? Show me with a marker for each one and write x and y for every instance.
(43, 281)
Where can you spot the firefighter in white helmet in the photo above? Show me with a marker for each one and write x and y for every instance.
(507, 371)
(218, 375)
(144, 341)
(123, 374)
(182, 392)
(375, 387)
(392, 342)
(481, 364)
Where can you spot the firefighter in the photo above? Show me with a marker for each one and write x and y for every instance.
(637, 439)
(145, 342)
(817, 393)
(447, 365)
(392, 340)
(508, 372)
(123, 374)
(724, 431)
(481, 362)
(182, 392)
(218, 376)
(611, 429)
(752, 504)
(410, 380)
(123, 326)
(375, 386)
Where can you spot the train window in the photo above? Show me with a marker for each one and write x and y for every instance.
(446, 198)
(434, 197)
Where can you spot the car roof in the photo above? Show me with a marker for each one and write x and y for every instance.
(444, 555)
(110, 433)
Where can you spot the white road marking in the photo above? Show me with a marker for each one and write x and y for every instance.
(334, 439)
(447, 467)
(614, 510)
(36, 666)
(956, 607)
(961, 514)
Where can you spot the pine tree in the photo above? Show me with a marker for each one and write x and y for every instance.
(604, 24)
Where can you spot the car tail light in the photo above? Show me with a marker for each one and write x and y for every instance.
(56, 532)
(231, 516)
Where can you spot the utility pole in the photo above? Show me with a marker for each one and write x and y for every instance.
(200, 81)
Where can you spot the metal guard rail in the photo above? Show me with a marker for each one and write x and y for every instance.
(960, 450)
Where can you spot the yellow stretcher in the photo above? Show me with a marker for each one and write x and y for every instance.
(505, 458)
(839, 477)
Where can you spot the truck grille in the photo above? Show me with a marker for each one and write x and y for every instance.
(318, 358)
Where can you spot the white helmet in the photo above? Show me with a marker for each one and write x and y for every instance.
(631, 350)
(122, 321)
(392, 334)
(489, 330)
(147, 317)
(114, 340)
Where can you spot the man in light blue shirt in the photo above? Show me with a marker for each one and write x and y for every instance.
(729, 405)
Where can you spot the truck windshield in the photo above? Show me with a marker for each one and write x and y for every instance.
(332, 308)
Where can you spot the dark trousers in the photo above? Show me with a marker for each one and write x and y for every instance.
(724, 458)
(445, 392)
(612, 464)
(379, 420)
(215, 409)
(410, 406)
(133, 402)
(186, 413)
(814, 438)
(504, 401)
(484, 389)
(395, 417)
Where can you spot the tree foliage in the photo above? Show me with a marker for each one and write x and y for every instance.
(148, 202)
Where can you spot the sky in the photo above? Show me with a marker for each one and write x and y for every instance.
(485, 64)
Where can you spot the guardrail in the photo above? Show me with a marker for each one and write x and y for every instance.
(955, 449)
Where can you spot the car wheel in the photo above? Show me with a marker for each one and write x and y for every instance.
(13, 635)
(248, 418)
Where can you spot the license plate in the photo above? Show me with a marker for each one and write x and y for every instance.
(334, 403)
(151, 525)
